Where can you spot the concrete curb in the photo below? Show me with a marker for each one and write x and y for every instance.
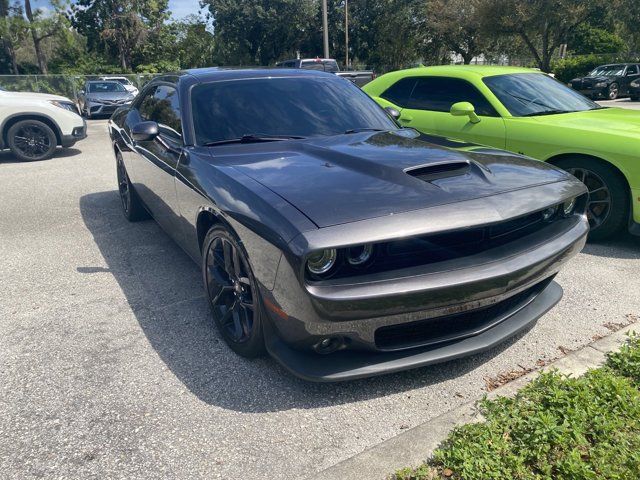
(414, 446)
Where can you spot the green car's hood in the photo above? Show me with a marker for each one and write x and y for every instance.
(606, 120)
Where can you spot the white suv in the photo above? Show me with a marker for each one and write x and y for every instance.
(34, 124)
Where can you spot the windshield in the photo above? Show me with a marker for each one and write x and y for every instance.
(528, 94)
(102, 87)
(607, 71)
(286, 106)
(322, 65)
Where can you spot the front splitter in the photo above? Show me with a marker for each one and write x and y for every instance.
(350, 365)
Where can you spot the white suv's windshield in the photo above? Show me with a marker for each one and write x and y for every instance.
(530, 94)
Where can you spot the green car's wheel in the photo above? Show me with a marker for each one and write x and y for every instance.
(608, 205)
(613, 91)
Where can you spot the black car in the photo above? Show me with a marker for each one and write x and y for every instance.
(634, 90)
(343, 244)
(608, 81)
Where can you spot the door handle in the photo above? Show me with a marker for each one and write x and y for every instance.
(406, 118)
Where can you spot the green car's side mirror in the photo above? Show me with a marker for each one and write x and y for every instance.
(464, 109)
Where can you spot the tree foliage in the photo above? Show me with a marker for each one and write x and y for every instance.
(109, 36)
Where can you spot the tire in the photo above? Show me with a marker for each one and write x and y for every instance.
(31, 140)
(604, 223)
(232, 293)
(132, 206)
(613, 91)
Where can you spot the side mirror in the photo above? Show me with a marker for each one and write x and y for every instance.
(464, 109)
(393, 113)
(144, 131)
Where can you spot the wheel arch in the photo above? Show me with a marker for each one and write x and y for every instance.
(206, 220)
(17, 117)
(557, 158)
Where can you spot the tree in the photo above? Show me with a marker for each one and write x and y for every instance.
(195, 45)
(457, 26)
(543, 25)
(43, 26)
(259, 31)
(119, 28)
(12, 32)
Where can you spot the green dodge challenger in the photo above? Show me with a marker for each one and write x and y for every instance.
(530, 113)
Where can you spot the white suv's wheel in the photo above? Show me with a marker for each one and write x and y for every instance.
(31, 140)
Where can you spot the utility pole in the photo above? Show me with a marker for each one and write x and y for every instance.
(325, 29)
(346, 34)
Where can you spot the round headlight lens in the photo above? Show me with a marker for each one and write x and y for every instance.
(601, 85)
(548, 213)
(322, 261)
(568, 206)
(360, 254)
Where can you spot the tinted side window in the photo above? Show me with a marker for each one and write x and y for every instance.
(438, 94)
(164, 108)
(400, 92)
(146, 104)
(632, 70)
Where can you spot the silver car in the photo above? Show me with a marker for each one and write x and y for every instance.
(102, 97)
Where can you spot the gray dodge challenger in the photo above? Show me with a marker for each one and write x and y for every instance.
(339, 243)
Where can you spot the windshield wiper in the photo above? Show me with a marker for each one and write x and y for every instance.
(358, 130)
(548, 112)
(254, 138)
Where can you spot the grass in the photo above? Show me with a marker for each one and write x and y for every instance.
(556, 427)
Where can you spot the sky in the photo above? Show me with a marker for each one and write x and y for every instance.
(179, 8)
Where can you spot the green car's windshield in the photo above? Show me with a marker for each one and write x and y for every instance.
(530, 94)
(607, 71)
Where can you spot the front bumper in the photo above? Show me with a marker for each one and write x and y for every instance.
(77, 134)
(425, 314)
(97, 109)
(350, 365)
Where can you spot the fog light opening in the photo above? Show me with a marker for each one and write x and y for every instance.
(328, 345)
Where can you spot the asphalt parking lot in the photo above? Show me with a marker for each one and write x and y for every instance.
(110, 367)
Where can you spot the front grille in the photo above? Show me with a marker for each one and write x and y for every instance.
(454, 327)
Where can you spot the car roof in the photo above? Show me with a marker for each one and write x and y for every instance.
(215, 74)
(478, 70)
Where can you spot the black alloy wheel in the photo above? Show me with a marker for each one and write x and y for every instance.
(132, 207)
(613, 91)
(31, 140)
(608, 204)
(232, 293)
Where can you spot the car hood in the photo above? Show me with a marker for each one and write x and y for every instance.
(33, 96)
(595, 79)
(606, 120)
(334, 180)
(110, 95)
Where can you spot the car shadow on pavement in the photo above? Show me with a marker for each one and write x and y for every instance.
(623, 246)
(163, 286)
(7, 157)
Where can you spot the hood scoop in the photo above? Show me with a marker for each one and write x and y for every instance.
(437, 171)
